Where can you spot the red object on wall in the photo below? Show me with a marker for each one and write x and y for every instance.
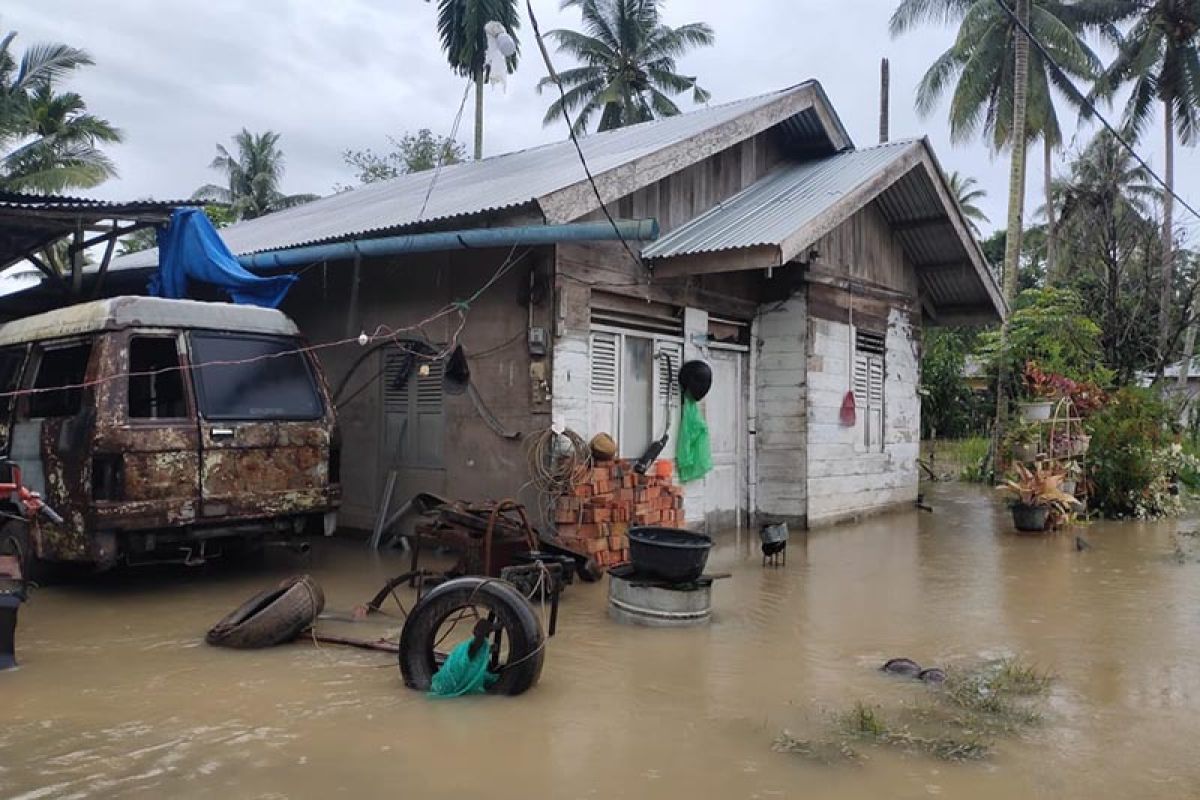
(848, 414)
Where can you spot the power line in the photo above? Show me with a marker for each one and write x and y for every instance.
(381, 332)
(441, 151)
(1091, 107)
(562, 93)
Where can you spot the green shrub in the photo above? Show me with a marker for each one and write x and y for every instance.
(1050, 328)
(1134, 461)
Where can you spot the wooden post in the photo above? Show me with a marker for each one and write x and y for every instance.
(77, 259)
(885, 90)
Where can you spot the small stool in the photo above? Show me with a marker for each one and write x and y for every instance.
(12, 594)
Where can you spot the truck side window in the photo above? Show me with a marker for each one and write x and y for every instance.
(10, 371)
(60, 373)
(155, 379)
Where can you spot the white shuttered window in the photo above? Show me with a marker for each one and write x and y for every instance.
(634, 389)
(870, 353)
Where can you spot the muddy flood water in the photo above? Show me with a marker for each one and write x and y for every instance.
(118, 696)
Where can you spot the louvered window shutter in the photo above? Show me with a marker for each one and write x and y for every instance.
(414, 419)
(870, 353)
(604, 356)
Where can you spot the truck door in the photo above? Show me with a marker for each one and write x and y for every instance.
(264, 428)
(146, 465)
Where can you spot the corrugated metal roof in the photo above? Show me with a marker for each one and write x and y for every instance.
(778, 205)
(29, 222)
(796, 195)
(493, 184)
(24, 201)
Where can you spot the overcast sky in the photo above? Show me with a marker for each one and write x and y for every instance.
(178, 77)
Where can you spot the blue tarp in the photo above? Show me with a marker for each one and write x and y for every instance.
(190, 247)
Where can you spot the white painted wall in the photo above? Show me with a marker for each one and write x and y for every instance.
(781, 412)
(569, 382)
(844, 479)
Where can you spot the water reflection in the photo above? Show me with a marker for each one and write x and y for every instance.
(117, 695)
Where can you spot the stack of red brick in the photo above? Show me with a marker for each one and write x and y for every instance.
(596, 517)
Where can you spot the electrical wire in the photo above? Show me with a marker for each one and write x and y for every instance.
(381, 334)
(1091, 107)
(562, 93)
(437, 169)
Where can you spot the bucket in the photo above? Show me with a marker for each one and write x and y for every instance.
(773, 534)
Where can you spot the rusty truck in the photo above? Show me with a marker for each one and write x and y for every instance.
(164, 430)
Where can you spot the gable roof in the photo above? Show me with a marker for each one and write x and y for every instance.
(776, 219)
(548, 179)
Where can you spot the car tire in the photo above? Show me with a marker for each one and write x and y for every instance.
(271, 617)
(527, 642)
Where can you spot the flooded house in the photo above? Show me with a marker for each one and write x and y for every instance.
(753, 235)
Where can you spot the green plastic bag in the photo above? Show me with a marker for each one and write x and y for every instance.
(693, 455)
(462, 675)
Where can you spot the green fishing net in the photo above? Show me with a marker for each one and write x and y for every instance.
(693, 454)
(462, 675)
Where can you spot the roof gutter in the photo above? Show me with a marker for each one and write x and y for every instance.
(638, 230)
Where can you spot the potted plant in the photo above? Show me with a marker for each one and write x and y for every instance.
(1023, 440)
(1040, 390)
(1035, 495)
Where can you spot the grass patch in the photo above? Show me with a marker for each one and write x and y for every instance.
(958, 459)
(958, 722)
(998, 690)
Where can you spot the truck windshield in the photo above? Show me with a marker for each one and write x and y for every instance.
(252, 377)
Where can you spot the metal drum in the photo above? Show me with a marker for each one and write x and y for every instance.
(639, 601)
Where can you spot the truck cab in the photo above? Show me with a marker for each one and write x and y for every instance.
(164, 430)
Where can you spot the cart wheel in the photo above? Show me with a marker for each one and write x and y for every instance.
(446, 616)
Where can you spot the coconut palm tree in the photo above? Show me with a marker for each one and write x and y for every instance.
(252, 177)
(461, 28)
(48, 140)
(628, 64)
(978, 70)
(1159, 57)
(968, 194)
(58, 145)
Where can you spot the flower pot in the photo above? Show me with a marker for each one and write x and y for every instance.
(1068, 487)
(1079, 447)
(1030, 519)
(1036, 410)
(1024, 452)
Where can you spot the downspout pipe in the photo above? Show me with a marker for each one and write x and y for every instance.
(633, 230)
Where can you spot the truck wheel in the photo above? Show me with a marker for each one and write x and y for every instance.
(429, 633)
(16, 541)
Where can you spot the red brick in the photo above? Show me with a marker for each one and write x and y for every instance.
(597, 545)
(568, 531)
(620, 528)
(574, 543)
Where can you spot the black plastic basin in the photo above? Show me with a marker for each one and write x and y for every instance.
(669, 554)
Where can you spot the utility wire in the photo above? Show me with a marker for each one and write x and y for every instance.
(441, 151)
(1091, 107)
(562, 93)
